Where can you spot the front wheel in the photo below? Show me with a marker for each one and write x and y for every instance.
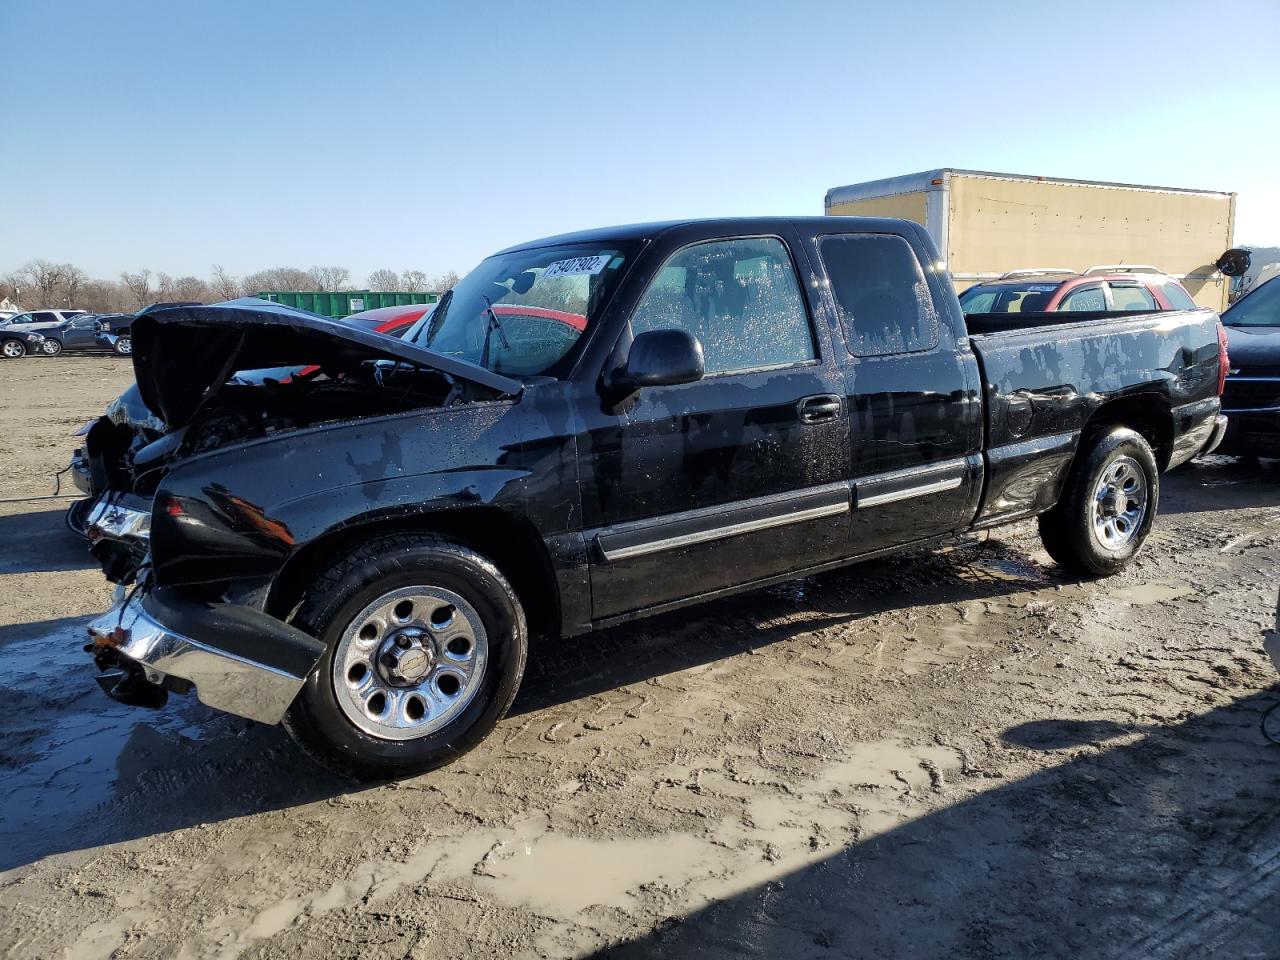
(51, 347)
(425, 645)
(1107, 506)
(124, 345)
(13, 349)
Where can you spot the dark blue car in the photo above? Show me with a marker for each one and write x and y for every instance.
(1251, 399)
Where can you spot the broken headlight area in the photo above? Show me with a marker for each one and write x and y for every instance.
(118, 528)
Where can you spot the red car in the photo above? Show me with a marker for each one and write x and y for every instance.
(1047, 290)
(393, 321)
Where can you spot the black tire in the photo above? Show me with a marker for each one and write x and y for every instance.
(123, 345)
(1069, 531)
(12, 349)
(317, 722)
(51, 347)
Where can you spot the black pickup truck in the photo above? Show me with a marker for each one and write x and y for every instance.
(595, 427)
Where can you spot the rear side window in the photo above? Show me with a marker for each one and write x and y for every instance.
(46, 317)
(1178, 298)
(740, 298)
(1132, 297)
(1084, 298)
(881, 293)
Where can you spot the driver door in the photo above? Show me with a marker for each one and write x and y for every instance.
(733, 478)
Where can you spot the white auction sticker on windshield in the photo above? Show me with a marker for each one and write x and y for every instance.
(577, 266)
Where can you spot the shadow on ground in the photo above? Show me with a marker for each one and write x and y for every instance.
(1166, 846)
(39, 541)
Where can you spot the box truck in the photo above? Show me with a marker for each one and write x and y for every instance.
(986, 224)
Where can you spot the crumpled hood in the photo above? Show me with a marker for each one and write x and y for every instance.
(1253, 347)
(128, 410)
(182, 356)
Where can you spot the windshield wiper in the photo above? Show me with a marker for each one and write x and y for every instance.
(493, 324)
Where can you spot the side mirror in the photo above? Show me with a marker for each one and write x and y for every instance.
(660, 358)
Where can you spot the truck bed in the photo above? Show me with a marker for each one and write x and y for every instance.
(1046, 374)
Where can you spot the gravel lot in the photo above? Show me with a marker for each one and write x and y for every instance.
(957, 753)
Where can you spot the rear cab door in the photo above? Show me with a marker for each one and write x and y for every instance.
(911, 382)
(739, 476)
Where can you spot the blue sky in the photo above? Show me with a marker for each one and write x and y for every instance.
(176, 135)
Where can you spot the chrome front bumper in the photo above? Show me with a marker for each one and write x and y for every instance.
(239, 659)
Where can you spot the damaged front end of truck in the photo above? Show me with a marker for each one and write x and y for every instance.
(214, 479)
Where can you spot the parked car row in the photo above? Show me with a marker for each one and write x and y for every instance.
(49, 332)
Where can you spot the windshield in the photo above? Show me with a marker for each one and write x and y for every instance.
(520, 313)
(1007, 297)
(1261, 308)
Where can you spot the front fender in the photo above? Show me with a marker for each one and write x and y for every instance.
(243, 511)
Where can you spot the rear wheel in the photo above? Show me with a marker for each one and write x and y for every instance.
(51, 347)
(1107, 507)
(425, 645)
(13, 349)
(124, 345)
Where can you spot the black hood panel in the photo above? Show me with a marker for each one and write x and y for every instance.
(183, 355)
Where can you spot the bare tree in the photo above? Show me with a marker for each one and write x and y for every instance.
(447, 281)
(330, 278)
(100, 296)
(279, 278)
(384, 280)
(44, 279)
(224, 285)
(73, 282)
(190, 288)
(414, 281)
(11, 285)
(139, 287)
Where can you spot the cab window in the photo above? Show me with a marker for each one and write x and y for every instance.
(740, 298)
(880, 292)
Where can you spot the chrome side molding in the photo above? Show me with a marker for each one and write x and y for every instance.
(670, 532)
(907, 484)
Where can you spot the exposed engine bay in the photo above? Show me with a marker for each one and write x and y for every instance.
(211, 376)
(129, 447)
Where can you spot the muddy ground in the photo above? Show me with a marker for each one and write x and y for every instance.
(958, 753)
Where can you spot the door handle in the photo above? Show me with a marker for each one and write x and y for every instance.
(820, 408)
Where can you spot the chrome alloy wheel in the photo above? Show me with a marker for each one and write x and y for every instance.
(410, 662)
(13, 349)
(1120, 503)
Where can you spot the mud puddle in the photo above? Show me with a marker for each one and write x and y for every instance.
(71, 746)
